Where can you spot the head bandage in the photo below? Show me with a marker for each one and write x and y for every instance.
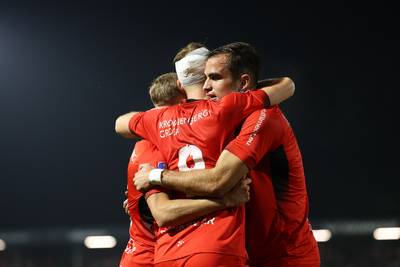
(190, 69)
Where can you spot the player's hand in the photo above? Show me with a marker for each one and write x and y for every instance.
(125, 203)
(239, 194)
(125, 206)
(141, 179)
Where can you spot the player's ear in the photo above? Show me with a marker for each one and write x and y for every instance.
(180, 86)
(245, 82)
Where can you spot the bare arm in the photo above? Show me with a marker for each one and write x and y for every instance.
(169, 212)
(122, 125)
(268, 82)
(278, 89)
(214, 182)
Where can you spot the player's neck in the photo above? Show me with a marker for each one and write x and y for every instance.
(195, 91)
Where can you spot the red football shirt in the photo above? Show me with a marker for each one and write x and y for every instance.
(192, 136)
(277, 227)
(140, 248)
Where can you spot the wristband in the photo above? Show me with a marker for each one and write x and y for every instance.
(155, 176)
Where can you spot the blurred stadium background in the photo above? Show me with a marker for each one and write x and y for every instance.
(341, 243)
(67, 70)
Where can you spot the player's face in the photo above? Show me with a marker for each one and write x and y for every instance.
(219, 81)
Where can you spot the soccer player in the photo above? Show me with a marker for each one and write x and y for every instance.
(277, 232)
(140, 248)
(192, 135)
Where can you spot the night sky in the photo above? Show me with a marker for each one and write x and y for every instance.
(68, 70)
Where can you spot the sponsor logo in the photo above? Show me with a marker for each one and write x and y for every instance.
(261, 119)
(171, 127)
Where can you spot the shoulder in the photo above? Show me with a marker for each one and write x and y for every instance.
(243, 96)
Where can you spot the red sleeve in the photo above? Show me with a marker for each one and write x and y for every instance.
(146, 152)
(260, 133)
(142, 125)
(155, 190)
(240, 105)
(137, 125)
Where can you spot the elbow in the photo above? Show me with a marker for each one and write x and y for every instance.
(161, 216)
(164, 223)
(118, 125)
(122, 127)
(291, 86)
(163, 219)
(161, 223)
(158, 218)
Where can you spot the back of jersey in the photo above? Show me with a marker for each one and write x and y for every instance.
(203, 125)
(192, 136)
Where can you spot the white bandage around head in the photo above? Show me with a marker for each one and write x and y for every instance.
(190, 69)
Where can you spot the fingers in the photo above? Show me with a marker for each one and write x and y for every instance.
(246, 184)
(247, 181)
(125, 206)
(145, 167)
(141, 182)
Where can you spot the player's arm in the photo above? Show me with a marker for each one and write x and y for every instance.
(268, 82)
(240, 155)
(278, 89)
(261, 132)
(214, 182)
(122, 125)
(173, 212)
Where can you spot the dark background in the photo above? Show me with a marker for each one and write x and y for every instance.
(68, 70)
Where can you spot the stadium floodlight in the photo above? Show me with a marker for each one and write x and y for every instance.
(101, 241)
(2, 245)
(322, 235)
(387, 233)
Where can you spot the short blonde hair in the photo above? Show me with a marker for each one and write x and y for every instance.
(164, 90)
(187, 49)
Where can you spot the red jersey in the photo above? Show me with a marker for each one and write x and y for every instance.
(277, 229)
(192, 136)
(140, 248)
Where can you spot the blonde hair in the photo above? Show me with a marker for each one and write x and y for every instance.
(164, 90)
(186, 50)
